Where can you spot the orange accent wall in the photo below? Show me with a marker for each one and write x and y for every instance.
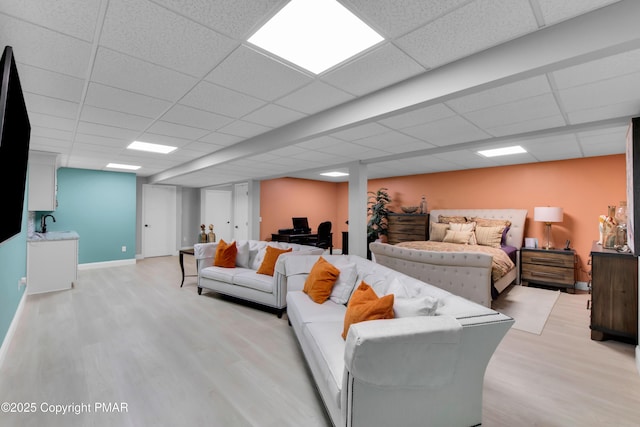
(582, 187)
(284, 198)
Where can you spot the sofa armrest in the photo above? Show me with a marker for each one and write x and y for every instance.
(404, 352)
(204, 254)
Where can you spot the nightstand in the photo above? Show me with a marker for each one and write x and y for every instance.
(549, 267)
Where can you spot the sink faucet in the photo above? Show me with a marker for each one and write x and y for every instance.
(43, 222)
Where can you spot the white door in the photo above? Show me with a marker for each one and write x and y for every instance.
(241, 211)
(217, 211)
(159, 220)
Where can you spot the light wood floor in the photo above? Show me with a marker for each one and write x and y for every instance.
(131, 334)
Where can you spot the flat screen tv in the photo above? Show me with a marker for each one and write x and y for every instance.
(15, 132)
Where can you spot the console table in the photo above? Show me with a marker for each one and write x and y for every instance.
(188, 251)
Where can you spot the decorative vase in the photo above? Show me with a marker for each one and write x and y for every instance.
(609, 229)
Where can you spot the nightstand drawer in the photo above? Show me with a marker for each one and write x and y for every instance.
(548, 273)
(557, 259)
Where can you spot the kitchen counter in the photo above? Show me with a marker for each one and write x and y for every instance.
(53, 235)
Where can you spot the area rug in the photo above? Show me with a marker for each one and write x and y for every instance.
(529, 307)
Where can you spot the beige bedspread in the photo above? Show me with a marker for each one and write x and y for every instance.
(502, 264)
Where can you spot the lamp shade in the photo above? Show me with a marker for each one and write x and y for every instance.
(547, 214)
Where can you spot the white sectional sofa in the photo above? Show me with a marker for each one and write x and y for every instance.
(406, 371)
(243, 281)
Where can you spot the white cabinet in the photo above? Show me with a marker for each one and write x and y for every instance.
(43, 167)
(52, 265)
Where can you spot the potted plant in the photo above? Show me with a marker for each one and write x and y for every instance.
(378, 212)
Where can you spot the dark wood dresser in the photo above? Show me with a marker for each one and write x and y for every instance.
(407, 227)
(614, 295)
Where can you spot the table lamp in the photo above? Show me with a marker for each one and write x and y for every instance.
(548, 215)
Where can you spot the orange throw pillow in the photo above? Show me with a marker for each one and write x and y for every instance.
(225, 254)
(319, 283)
(365, 305)
(269, 262)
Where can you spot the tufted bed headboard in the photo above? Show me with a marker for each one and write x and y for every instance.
(515, 235)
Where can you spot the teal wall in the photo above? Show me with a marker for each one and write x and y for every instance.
(101, 207)
(13, 266)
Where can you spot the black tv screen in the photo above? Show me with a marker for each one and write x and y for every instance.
(14, 146)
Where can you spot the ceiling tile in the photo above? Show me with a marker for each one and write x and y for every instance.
(391, 66)
(218, 138)
(393, 142)
(107, 131)
(465, 159)
(601, 69)
(314, 97)
(36, 46)
(149, 31)
(50, 84)
(503, 94)
(601, 93)
(127, 102)
(519, 111)
(71, 17)
(132, 74)
(114, 118)
(422, 115)
(555, 11)
(52, 106)
(188, 116)
(451, 130)
(623, 109)
(603, 142)
(553, 148)
(360, 131)
(243, 129)
(237, 19)
(179, 131)
(217, 99)
(256, 74)
(51, 122)
(397, 17)
(476, 26)
(272, 115)
(527, 126)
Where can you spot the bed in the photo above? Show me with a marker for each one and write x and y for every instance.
(475, 271)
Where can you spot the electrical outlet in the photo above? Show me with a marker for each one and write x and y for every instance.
(124, 249)
(22, 282)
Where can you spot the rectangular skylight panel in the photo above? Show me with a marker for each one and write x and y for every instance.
(154, 148)
(315, 34)
(504, 151)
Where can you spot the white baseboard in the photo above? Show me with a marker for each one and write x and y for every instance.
(92, 265)
(638, 358)
(12, 329)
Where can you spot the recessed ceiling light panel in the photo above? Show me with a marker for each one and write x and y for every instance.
(315, 34)
(153, 148)
(334, 174)
(504, 151)
(121, 166)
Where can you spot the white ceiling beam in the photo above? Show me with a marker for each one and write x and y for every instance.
(603, 32)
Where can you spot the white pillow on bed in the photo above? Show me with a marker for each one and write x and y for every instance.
(438, 231)
(468, 226)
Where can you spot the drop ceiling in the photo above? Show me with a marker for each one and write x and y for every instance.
(559, 78)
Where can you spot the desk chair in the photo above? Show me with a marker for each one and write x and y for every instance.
(325, 237)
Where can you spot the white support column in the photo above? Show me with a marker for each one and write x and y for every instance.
(358, 209)
(254, 210)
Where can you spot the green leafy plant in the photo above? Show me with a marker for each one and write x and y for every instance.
(378, 212)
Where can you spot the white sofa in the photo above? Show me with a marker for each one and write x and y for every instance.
(243, 281)
(406, 371)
